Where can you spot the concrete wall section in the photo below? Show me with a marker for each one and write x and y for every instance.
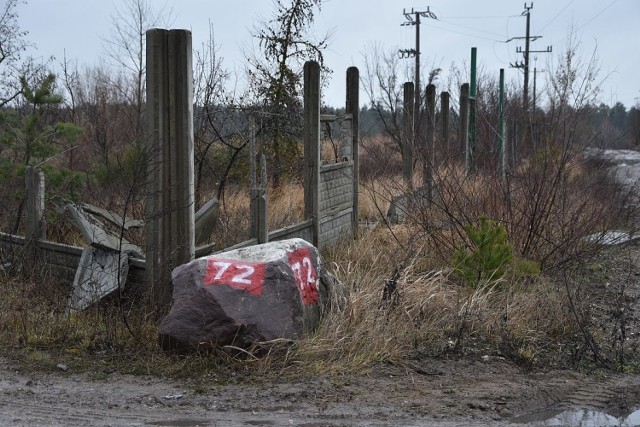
(336, 203)
(302, 230)
(59, 259)
(336, 187)
(336, 228)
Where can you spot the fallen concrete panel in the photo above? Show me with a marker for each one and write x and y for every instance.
(96, 234)
(113, 218)
(205, 220)
(100, 272)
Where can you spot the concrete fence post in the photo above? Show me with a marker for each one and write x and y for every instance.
(473, 115)
(502, 167)
(34, 208)
(311, 175)
(463, 133)
(353, 108)
(408, 134)
(253, 182)
(429, 159)
(169, 206)
(444, 121)
(262, 224)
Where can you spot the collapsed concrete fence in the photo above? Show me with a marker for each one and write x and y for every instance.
(171, 223)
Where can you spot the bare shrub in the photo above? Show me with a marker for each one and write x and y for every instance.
(379, 158)
(548, 209)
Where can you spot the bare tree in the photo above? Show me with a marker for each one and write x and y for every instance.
(126, 48)
(383, 82)
(12, 45)
(216, 122)
(286, 43)
(13, 66)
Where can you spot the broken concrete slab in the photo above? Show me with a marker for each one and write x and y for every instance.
(247, 296)
(205, 221)
(113, 218)
(100, 272)
(97, 235)
(401, 205)
(398, 209)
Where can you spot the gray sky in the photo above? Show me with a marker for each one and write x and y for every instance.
(79, 27)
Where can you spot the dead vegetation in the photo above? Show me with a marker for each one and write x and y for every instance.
(406, 299)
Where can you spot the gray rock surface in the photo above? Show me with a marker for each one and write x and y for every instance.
(247, 296)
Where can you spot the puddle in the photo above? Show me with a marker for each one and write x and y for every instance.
(178, 423)
(578, 417)
(611, 238)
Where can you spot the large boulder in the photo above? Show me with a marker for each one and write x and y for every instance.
(250, 295)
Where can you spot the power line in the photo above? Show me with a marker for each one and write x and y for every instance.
(478, 17)
(557, 14)
(475, 36)
(471, 28)
(597, 14)
(525, 53)
(590, 19)
(413, 19)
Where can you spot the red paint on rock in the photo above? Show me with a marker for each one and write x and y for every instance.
(244, 276)
(305, 273)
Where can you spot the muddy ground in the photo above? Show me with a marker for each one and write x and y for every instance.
(477, 389)
(431, 392)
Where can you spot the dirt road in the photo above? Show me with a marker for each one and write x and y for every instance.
(432, 392)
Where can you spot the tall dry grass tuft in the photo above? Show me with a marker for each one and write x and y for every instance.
(286, 204)
(379, 157)
(375, 196)
(371, 328)
(234, 223)
(400, 307)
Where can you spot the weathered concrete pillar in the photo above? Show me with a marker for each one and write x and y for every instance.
(353, 108)
(514, 132)
(408, 135)
(429, 160)
(169, 206)
(253, 181)
(34, 207)
(463, 133)
(257, 192)
(262, 222)
(444, 121)
(311, 174)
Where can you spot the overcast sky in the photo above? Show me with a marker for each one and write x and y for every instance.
(79, 27)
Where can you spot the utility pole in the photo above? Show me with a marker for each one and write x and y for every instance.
(527, 51)
(413, 18)
(535, 72)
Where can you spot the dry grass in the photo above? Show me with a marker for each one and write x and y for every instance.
(427, 314)
(526, 320)
(286, 204)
